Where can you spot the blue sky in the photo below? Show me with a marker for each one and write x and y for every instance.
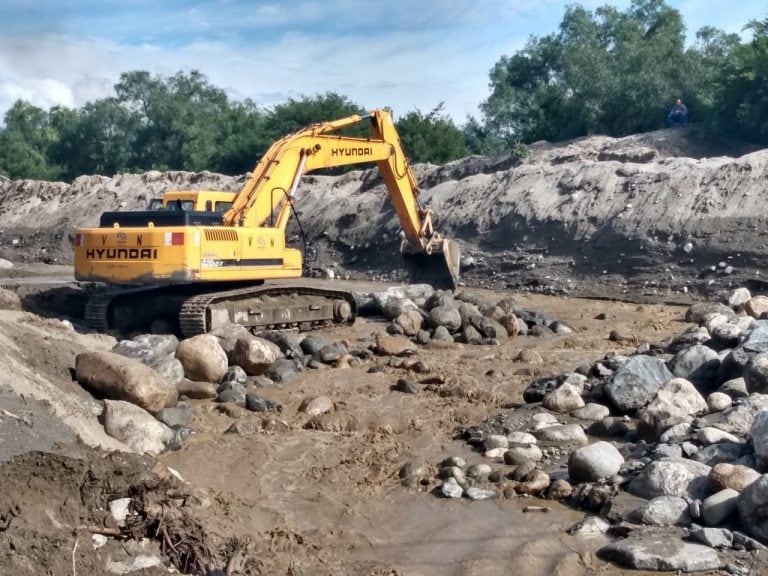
(404, 54)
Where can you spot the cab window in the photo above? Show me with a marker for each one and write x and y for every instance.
(222, 207)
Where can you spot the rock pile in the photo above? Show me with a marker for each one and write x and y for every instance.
(146, 380)
(430, 317)
(684, 428)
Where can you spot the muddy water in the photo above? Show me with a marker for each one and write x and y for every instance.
(328, 500)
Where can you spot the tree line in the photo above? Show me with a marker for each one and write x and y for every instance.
(602, 72)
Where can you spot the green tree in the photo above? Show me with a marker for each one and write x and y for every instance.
(96, 139)
(298, 113)
(605, 72)
(179, 118)
(25, 142)
(740, 107)
(431, 137)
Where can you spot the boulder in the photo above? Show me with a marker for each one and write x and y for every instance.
(759, 435)
(196, 390)
(282, 370)
(657, 552)
(636, 382)
(255, 355)
(753, 509)
(563, 399)
(756, 306)
(157, 352)
(711, 435)
(9, 300)
(228, 336)
(203, 358)
(117, 377)
(511, 324)
(756, 374)
(733, 476)
(739, 419)
(734, 388)
(698, 364)
(672, 477)
(594, 462)
(394, 345)
(712, 537)
(135, 427)
(697, 313)
(675, 402)
(288, 342)
(311, 344)
(662, 511)
(418, 293)
(563, 434)
(316, 405)
(394, 307)
(723, 452)
(718, 402)
(738, 297)
(410, 321)
(449, 318)
(718, 507)
(521, 453)
(593, 412)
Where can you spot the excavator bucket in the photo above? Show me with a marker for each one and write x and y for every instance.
(440, 268)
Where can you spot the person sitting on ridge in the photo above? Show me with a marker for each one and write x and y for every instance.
(678, 115)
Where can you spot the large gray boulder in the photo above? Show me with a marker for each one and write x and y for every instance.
(203, 358)
(594, 462)
(657, 552)
(677, 401)
(563, 399)
(699, 364)
(117, 377)
(394, 307)
(672, 477)
(753, 508)
(636, 382)
(255, 355)
(135, 427)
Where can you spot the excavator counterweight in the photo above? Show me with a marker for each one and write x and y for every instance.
(201, 256)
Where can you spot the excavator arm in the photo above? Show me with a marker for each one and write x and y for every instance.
(273, 184)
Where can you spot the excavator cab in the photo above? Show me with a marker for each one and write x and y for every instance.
(437, 265)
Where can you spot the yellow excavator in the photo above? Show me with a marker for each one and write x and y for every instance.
(196, 260)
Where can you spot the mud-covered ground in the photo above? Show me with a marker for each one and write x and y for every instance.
(324, 497)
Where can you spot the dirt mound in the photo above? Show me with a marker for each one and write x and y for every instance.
(651, 207)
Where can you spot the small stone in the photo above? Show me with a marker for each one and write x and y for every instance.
(589, 526)
(411, 469)
(174, 417)
(735, 388)
(535, 483)
(119, 510)
(478, 471)
(495, 453)
(456, 461)
(316, 405)
(563, 399)
(565, 434)
(528, 356)
(712, 537)
(474, 493)
(521, 438)
(518, 454)
(256, 403)
(451, 489)
(231, 393)
(677, 431)
(738, 297)
(710, 435)
(594, 462)
(718, 402)
(394, 345)
(495, 441)
(591, 412)
(406, 386)
(663, 511)
(559, 490)
(756, 306)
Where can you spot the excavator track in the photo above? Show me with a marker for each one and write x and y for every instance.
(196, 312)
